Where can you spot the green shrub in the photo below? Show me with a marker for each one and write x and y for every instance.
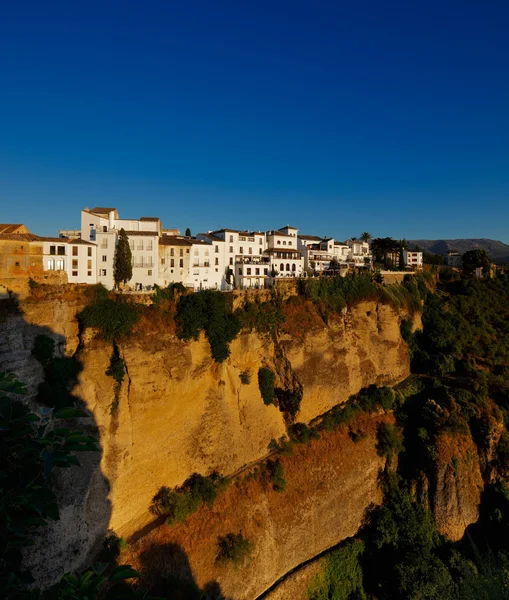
(276, 473)
(372, 398)
(288, 400)
(234, 548)
(116, 368)
(389, 440)
(340, 576)
(177, 504)
(245, 377)
(44, 349)
(114, 318)
(208, 311)
(32, 284)
(264, 317)
(266, 380)
(302, 434)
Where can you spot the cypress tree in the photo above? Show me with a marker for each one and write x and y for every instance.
(123, 259)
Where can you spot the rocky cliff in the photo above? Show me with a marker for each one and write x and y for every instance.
(179, 412)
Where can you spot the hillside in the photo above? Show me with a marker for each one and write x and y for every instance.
(497, 250)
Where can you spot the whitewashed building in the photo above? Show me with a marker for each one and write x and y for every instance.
(317, 252)
(359, 254)
(77, 258)
(174, 260)
(102, 226)
(282, 248)
(413, 259)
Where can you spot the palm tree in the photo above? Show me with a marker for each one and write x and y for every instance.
(365, 237)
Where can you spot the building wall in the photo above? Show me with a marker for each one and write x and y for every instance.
(19, 261)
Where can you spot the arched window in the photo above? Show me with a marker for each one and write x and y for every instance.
(294, 267)
(281, 267)
(287, 267)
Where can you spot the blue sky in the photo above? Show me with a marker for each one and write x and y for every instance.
(336, 117)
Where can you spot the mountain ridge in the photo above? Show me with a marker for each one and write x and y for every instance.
(495, 248)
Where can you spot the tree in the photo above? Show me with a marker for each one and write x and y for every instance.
(474, 259)
(123, 259)
(365, 236)
(188, 232)
(401, 257)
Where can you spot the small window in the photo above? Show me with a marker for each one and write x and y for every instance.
(241, 250)
(89, 264)
(284, 243)
(289, 243)
(89, 251)
(150, 272)
(250, 251)
(265, 271)
(248, 271)
(217, 248)
(52, 250)
(240, 270)
(257, 271)
(74, 263)
(61, 250)
(182, 252)
(231, 248)
(75, 250)
(172, 262)
(279, 242)
(105, 258)
(217, 261)
(103, 272)
(89, 273)
(105, 228)
(17, 264)
(231, 241)
(231, 260)
(75, 273)
(181, 262)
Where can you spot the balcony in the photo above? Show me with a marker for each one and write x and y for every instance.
(252, 260)
(143, 265)
(243, 238)
(199, 264)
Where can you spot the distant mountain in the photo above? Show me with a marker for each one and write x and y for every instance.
(497, 250)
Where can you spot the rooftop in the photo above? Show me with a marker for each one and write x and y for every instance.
(174, 240)
(98, 210)
(13, 228)
(311, 238)
(150, 219)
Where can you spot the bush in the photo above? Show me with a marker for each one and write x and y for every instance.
(302, 434)
(264, 317)
(266, 380)
(288, 400)
(177, 504)
(114, 318)
(389, 440)
(276, 473)
(207, 311)
(245, 377)
(372, 398)
(234, 548)
(117, 368)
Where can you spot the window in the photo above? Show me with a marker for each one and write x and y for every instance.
(61, 250)
(290, 243)
(265, 271)
(257, 271)
(196, 252)
(51, 264)
(75, 250)
(281, 267)
(279, 242)
(231, 241)
(74, 263)
(284, 243)
(217, 261)
(52, 250)
(140, 244)
(287, 267)
(294, 267)
(248, 271)
(240, 270)
(60, 264)
(105, 228)
(150, 272)
(89, 273)
(217, 248)
(181, 262)
(231, 260)
(103, 272)
(250, 251)
(131, 244)
(89, 264)
(182, 252)
(149, 245)
(261, 241)
(16, 264)
(89, 251)
(75, 273)
(105, 258)
(231, 248)
(241, 250)
(172, 262)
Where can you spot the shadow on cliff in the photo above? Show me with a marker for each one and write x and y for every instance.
(35, 354)
(168, 574)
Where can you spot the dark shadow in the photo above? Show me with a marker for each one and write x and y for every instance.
(167, 573)
(73, 541)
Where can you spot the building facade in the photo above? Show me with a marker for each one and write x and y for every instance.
(413, 259)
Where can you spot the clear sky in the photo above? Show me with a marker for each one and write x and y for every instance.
(336, 117)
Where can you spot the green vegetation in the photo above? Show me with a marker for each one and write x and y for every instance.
(208, 311)
(123, 266)
(177, 504)
(263, 317)
(288, 401)
(473, 259)
(33, 446)
(302, 434)
(245, 377)
(266, 381)
(341, 574)
(117, 368)
(234, 548)
(389, 440)
(277, 475)
(114, 318)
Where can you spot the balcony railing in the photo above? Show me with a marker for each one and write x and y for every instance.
(143, 265)
(199, 264)
(252, 260)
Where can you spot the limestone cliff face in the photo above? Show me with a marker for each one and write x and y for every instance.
(456, 485)
(179, 412)
(330, 484)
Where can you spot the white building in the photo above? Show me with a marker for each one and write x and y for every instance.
(359, 254)
(244, 254)
(413, 259)
(317, 252)
(75, 257)
(174, 260)
(102, 226)
(282, 248)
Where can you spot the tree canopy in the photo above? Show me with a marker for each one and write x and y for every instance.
(472, 259)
